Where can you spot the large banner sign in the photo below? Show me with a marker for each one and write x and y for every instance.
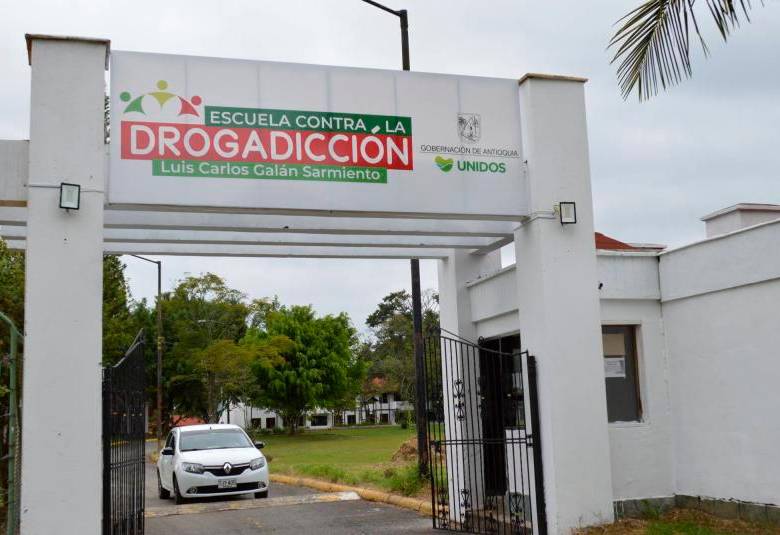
(204, 132)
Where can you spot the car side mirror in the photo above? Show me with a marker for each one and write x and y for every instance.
(167, 451)
(259, 445)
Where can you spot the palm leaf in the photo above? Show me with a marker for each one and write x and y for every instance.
(653, 41)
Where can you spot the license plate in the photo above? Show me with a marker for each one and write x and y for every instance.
(227, 484)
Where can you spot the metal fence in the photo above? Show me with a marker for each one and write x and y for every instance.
(10, 425)
(124, 443)
(484, 453)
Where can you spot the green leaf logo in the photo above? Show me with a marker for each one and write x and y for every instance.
(445, 164)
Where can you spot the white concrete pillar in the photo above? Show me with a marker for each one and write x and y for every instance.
(460, 379)
(559, 305)
(455, 271)
(61, 460)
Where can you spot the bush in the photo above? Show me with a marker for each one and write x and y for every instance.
(406, 418)
(406, 480)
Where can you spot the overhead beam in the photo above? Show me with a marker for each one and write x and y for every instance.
(257, 251)
(15, 216)
(249, 251)
(189, 237)
(319, 213)
(307, 224)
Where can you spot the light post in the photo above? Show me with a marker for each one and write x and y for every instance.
(420, 402)
(159, 346)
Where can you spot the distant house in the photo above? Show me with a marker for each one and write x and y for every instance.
(375, 407)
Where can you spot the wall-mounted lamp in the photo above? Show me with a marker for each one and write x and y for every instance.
(567, 212)
(70, 196)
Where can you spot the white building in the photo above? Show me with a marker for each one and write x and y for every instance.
(691, 339)
(380, 409)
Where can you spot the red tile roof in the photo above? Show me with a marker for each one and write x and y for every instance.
(181, 421)
(605, 242)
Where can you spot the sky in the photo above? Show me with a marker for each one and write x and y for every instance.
(656, 167)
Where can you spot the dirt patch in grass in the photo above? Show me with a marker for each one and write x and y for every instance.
(407, 451)
(682, 522)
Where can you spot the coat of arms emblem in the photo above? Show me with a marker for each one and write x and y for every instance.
(469, 127)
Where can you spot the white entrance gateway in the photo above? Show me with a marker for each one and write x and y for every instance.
(243, 158)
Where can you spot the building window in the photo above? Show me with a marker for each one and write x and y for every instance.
(270, 423)
(257, 423)
(319, 420)
(621, 373)
(383, 399)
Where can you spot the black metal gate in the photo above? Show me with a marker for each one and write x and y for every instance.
(124, 442)
(486, 468)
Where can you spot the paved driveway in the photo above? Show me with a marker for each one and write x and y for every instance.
(289, 510)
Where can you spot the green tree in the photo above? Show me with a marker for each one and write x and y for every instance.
(197, 314)
(653, 41)
(222, 369)
(318, 368)
(391, 353)
(119, 329)
(11, 290)
(259, 310)
(11, 304)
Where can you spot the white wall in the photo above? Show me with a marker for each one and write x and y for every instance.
(721, 312)
(641, 452)
(493, 295)
(743, 257)
(14, 163)
(628, 275)
(739, 218)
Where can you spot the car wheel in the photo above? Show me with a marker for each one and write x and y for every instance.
(162, 493)
(177, 497)
(261, 495)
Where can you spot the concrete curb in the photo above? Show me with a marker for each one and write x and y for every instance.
(422, 507)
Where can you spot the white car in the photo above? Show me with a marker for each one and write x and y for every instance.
(211, 460)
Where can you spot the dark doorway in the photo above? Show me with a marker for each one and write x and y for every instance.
(495, 390)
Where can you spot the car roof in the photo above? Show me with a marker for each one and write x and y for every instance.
(206, 427)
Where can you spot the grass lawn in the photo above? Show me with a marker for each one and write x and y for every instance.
(356, 456)
(683, 522)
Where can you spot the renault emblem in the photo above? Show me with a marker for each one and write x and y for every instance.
(227, 467)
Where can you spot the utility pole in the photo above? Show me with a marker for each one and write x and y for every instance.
(421, 410)
(160, 342)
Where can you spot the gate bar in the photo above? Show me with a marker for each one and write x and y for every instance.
(533, 394)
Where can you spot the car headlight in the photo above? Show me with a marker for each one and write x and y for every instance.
(257, 464)
(193, 468)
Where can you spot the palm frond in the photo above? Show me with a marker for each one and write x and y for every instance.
(653, 41)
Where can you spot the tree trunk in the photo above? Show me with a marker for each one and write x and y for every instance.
(212, 410)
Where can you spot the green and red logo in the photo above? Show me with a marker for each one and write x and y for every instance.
(231, 142)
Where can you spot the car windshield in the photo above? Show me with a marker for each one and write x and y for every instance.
(214, 439)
